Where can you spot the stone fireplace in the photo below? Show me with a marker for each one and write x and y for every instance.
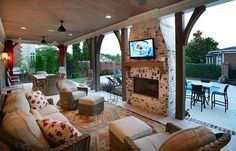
(149, 84)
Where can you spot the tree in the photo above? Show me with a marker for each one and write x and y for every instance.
(198, 47)
(116, 58)
(47, 59)
(76, 51)
(85, 53)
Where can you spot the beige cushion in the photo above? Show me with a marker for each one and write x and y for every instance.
(36, 114)
(23, 126)
(152, 142)
(66, 85)
(91, 100)
(188, 139)
(129, 126)
(76, 95)
(57, 116)
(48, 110)
(16, 102)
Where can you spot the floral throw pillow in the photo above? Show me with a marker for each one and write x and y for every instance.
(57, 132)
(36, 99)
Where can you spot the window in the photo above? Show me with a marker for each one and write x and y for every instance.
(219, 59)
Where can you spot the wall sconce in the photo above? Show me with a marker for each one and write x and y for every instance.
(4, 56)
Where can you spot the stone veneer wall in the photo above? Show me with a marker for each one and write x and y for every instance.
(143, 30)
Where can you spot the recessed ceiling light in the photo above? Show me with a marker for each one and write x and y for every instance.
(19, 38)
(51, 30)
(70, 34)
(23, 28)
(108, 16)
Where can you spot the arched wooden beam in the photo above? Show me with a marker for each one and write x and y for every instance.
(98, 43)
(118, 36)
(196, 14)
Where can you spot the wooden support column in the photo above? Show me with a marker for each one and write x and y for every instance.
(181, 39)
(62, 54)
(123, 41)
(92, 59)
(10, 50)
(98, 43)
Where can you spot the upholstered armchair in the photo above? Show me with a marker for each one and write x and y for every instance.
(70, 94)
(49, 87)
(174, 138)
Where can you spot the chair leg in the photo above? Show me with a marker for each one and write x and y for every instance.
(212, 101)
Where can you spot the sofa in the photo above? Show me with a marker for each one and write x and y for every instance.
(70, 94)
(19, 128)
(174, 138)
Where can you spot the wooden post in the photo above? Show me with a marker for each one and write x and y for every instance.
(123, 47)
(98, 43)
(181, 39)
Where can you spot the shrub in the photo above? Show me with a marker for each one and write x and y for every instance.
(223, 79)
(232, 73)
(206, 71)
(106, 72)
(111, 89)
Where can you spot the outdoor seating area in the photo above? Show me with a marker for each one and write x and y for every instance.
(138, 75)
(206, 93)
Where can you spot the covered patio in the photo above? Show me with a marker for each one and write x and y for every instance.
(38, 22)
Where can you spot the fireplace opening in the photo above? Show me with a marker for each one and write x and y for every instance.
(148, 87)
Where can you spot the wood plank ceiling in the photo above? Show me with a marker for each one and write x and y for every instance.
(81, 16)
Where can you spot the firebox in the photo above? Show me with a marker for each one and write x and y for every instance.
(148, 87)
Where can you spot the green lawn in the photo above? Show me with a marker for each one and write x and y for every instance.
(80, 80)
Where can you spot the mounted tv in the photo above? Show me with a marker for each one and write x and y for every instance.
(142, 49)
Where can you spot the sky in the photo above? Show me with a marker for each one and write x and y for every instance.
(217, 22)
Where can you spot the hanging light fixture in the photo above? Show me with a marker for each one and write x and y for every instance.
(43, 41)
(61, 28)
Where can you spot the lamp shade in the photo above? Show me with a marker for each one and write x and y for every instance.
(61, 28)
(43, 41)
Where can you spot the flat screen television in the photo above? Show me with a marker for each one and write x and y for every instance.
(143, 49)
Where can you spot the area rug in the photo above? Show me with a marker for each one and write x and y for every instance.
(97, 126)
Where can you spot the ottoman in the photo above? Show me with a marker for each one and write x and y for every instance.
(91, 105)
(129, 126)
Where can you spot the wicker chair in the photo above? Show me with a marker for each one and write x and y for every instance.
(80, 144)
(222, 139)
(50, 85)
(70, 94)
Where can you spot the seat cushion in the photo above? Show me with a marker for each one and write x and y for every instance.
(76, 95)
(188, 139)
(129, 126)
(49, 109)
(23, 126)
(16, 101)
(91, 100)
(57, 116)
(152, 142)
(36, 99)
(58, 132)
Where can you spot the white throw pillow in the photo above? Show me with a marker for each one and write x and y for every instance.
(24, 127)
(16, 101)
(58, 132)
(36, 99)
